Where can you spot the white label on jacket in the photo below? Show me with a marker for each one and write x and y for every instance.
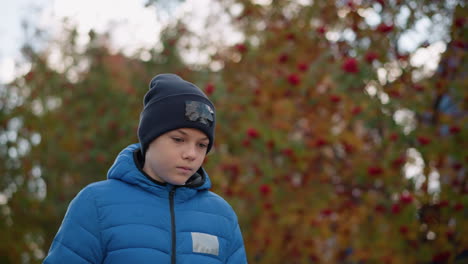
(205, 243)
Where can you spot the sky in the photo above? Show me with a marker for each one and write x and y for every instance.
(11, 32)
(133, 25)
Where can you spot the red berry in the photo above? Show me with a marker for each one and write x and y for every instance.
(241, 48)
(253, 133)
(327, 212)
(443, 203)
(399, 162)
(404, 230)
(370, 56)
(321, 30)
(290, 36)
(418, 87)
(350, 65)
(283, 58)
(393, 136)
(460, 22)
(384, 28)
(458, 207)
(454, 129)
(320, 142)
(335, 98)
(374, 171)
(294, 79)
(356, 110)
(406, 198)
(396, 208)
(302, 67)
(265, 189)
(380, 208)
(209, 89)
(423, 140)
(288, 152)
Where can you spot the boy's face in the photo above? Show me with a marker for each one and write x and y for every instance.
(176, 155)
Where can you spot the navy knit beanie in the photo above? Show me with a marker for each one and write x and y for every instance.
(173, 103)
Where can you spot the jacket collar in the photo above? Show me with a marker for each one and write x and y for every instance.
(127, 168)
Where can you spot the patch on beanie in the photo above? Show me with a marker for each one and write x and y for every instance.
(199, 112)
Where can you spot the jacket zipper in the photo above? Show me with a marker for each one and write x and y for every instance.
(173, 227)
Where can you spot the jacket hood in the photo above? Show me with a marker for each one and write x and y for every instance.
(126, 170)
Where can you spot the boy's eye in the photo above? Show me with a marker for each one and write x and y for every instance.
(203, 145)
(176, 139)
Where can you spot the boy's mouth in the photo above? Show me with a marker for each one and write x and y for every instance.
(184, 168)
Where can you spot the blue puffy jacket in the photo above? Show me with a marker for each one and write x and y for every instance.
(130, 218)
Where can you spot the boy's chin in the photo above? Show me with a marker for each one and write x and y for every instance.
(178, 181)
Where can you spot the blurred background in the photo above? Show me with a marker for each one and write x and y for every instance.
(342, 125)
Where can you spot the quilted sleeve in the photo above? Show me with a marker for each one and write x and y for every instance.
(78, 238)
(237, 253)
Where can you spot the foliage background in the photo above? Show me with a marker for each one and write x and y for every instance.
(322, 115)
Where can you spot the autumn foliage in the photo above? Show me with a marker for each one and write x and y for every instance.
(310, 150)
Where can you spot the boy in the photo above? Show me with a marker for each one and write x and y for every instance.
(155, 206)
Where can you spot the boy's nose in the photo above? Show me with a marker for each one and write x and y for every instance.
(189, 153)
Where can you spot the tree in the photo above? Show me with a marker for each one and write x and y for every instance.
(319, 160)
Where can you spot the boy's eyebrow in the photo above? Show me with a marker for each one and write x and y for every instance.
(185, 134)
